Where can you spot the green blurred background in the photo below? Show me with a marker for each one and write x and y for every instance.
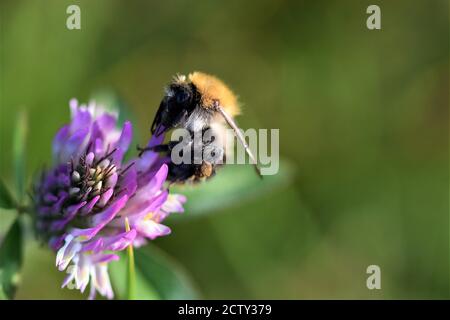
(363, 119)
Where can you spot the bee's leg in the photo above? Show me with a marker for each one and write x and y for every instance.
(157, 148)
(166, 148)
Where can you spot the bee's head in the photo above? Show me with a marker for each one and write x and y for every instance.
(175, 108)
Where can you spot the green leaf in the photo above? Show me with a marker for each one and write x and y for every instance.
(169, 279)
(231, 185)
(20, 132)
(6, 198)
(3, 295)
(11, 259)
(118, 273)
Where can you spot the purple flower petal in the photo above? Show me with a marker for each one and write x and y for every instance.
(94, 245)
(73, 144)
(50, 198)
(120, 241)
(174, 203)
(140, 208)
(70, 214)
(125, 137)
(117, 157)
(106, 122)
(148, 158)
(56, 242)
(67, 252)
(152, 229)
(59, 140)
(106, 258)
(129, 181)
(88, 207)
(99, 146)
(100, 220)
(81, 119)
(158, 179)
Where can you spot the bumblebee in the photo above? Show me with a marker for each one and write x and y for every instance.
(198, 103)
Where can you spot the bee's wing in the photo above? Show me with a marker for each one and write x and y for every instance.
(240, 137)
(156, 125)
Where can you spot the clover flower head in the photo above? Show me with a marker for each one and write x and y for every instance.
(84, 200)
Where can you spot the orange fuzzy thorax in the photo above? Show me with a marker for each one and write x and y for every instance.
(212, 89)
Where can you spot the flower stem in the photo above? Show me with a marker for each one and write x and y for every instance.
(131, 271)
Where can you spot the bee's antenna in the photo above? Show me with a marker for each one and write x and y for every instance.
(240, 137)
